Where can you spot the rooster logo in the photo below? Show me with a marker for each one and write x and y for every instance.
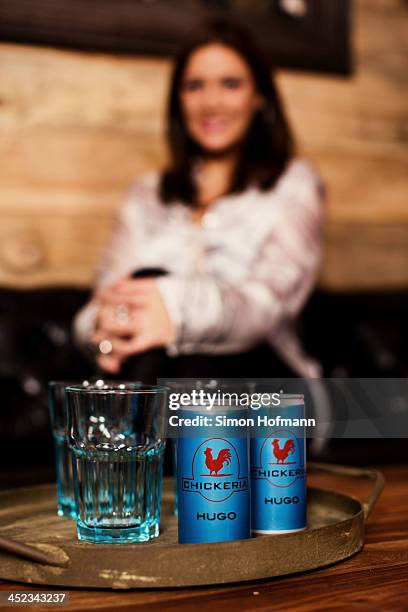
(217, 469)
(215, 465)
(282, 453)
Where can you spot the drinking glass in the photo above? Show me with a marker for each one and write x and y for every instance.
(116, 434)
(63, 462)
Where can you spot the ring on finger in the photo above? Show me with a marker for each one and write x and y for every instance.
(105, 346)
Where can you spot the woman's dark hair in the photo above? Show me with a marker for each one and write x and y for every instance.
(268, 145)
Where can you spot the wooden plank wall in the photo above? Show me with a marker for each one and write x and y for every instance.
(76, 128)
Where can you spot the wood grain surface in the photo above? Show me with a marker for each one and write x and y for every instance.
(77, 128)
(374, 579)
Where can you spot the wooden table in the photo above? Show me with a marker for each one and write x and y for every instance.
(374, 579)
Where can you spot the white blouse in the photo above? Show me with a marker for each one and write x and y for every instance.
(240, 277)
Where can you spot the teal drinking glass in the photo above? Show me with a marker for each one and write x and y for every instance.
(63, 462)
(116, 435)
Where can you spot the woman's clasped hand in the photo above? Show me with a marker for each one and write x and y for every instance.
(132, 318)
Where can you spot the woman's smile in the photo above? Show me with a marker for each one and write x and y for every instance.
(214, 124)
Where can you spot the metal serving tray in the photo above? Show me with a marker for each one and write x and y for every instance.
(335, 532)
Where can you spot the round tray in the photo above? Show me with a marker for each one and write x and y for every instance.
(335, 531)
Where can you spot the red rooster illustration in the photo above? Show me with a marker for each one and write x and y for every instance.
(282, 453)
(215, 465)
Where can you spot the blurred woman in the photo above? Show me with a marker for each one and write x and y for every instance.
(234, 222)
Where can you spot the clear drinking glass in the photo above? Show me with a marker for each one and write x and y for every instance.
(117, 439)
(63, 462)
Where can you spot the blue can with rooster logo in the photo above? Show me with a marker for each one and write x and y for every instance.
(278, 469)
(213, 481)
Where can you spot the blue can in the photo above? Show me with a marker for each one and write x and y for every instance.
(278, 469)
(213, 481)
